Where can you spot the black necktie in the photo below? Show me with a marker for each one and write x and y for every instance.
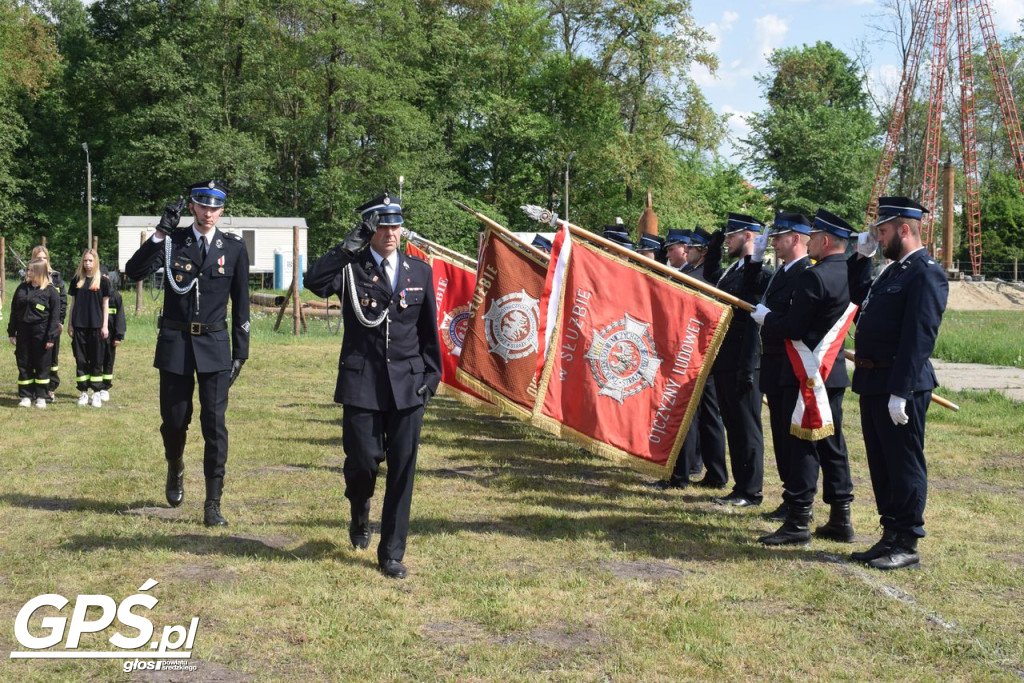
(387, 274)
(202, 249)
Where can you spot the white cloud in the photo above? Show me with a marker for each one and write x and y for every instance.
(700, 74)
(769, 33)
(1007, 14)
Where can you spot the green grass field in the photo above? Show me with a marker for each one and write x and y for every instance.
(529, 558)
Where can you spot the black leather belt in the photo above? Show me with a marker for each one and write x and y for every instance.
(195, 329)
(869, 364)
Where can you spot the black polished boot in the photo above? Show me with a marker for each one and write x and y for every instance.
(175, 487)
(359, 527)
(779, 514)
(902, 553)
(211, 509)
(878, 549)
(839, 527)
(795, 530)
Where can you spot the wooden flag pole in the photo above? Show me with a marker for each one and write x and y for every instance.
(502, 230)
(424, 243)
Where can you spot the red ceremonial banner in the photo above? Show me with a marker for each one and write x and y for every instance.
(499, 354)
(453, 289)
(629, 353)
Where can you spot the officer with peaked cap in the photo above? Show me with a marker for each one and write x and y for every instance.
(389, 368)
(675, 245)
(615, 233)
(788, 236)
(736, 368)
(813, 320)
(204, 268)
(649, 246)
(705, 441)
(898, 322)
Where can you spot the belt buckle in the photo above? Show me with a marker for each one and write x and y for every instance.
(195, 329)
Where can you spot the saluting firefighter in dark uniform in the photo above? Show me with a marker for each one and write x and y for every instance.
(735, 369)
(390, 366)
(896, 330)
(204, 268)
(788, 236)
(814, 320)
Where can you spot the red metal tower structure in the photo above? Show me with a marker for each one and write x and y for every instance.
(936, 15)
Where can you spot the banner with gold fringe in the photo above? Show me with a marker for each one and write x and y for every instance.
(628, 356)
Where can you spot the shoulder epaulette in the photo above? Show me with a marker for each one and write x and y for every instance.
(233, 236)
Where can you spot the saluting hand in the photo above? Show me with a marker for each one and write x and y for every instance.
(867, 245)
(760, 246)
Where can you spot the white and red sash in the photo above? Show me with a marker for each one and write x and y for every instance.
(812, 415)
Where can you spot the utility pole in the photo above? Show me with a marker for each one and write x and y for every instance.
(567, 162)
(88, 191)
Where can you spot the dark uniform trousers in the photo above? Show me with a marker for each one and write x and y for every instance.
(176, 414)
(380, 370)
(896, 331)
(738, 358)
(704, 444)
(183, 357)
(818, 297)
(87, 345)
(58, 283)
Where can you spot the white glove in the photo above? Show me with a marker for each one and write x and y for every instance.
(898, 410)
(760, 244)
(760, 313)
(867, 245)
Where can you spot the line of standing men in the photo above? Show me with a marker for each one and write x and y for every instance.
(791, 350)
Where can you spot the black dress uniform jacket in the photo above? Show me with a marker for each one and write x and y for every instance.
(396, 358)
(222, 276)
(774, 362)
(739, 350)
(897, 325)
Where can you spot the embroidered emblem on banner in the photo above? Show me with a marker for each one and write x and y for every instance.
(453, 328)
(511, 325)
(623, 359)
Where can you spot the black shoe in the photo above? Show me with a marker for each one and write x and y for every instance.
(175, 487)
(211, 508)
(779, 513)
(736, 500)
(359, 534)
(672, 483)
(795, 530)
(901, 554)
(839, 527)
(879, 549)
(393, 569)
(706, 483)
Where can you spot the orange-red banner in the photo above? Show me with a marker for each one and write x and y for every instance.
(453, 289)
(499, 355)
(628, 351)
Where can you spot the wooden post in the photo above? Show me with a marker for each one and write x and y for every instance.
(1015, 278)
(138, 285)
(947, 216)
(42, 240)
(296, 302)
(96, 244)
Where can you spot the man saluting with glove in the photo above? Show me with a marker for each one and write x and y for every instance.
(389, 368)
(203, 269)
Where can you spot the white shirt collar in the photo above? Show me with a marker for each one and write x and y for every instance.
(789, 265)
(199, 235)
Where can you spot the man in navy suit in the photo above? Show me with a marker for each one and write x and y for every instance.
(813, 326)
(789, 234)
(735, 368)
(203, 269)
(390, 366)
(897, 326)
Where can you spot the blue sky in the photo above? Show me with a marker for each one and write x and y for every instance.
(746, 32)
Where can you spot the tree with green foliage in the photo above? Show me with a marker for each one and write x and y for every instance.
(814, 145)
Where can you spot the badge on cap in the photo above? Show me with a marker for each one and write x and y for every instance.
(211, 185)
